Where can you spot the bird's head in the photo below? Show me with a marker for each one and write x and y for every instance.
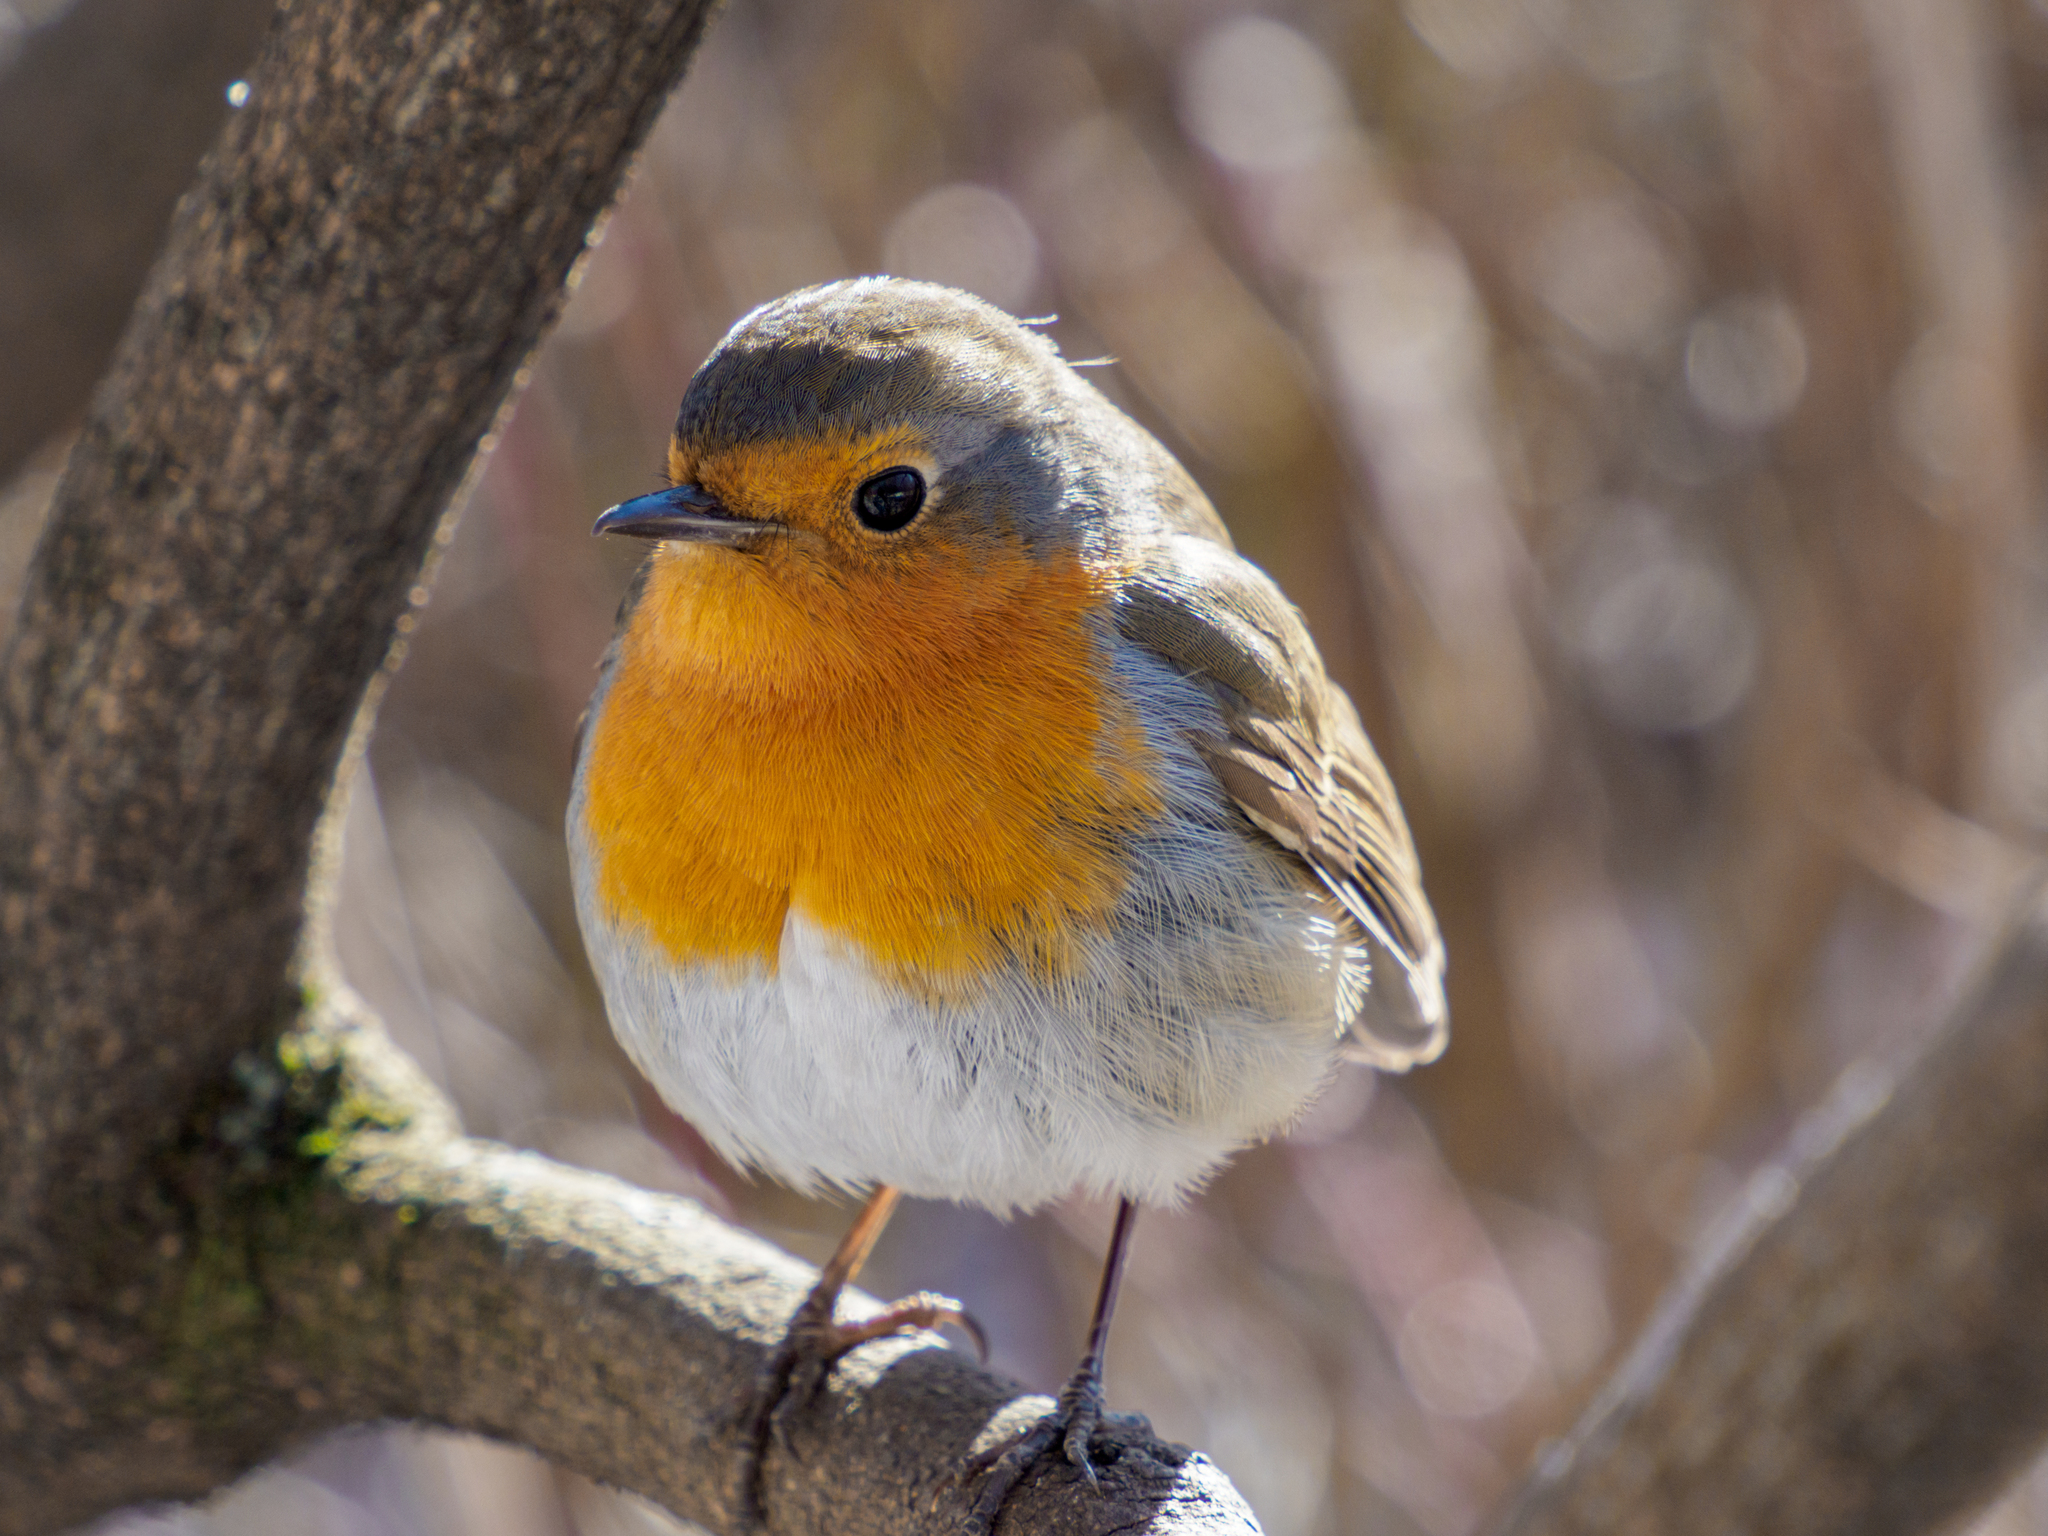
(873, 428)
(861, 467)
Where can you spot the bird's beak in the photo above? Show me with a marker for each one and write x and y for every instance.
(686, 512)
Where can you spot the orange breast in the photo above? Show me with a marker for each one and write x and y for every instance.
(926, 767)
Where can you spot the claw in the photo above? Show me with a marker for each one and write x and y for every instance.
(1075, 1443)
(798, 1369)
(926, 1309)
(1071, 1424)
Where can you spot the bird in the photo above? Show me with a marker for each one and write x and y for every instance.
(958, 815)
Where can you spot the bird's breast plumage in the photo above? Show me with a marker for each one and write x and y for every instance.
(940, 785)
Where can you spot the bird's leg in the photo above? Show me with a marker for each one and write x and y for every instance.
(815, 1341)
(1076, 1414)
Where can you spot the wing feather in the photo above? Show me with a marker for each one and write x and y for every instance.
(1292, 755)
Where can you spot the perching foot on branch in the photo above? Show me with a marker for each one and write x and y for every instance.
(815, 1342)
(1071, 1425)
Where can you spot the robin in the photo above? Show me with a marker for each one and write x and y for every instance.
(958, 815)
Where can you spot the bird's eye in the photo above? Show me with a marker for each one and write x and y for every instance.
(890, 500)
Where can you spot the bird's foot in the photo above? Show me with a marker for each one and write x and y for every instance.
(1077, 1414)
(803, 1360)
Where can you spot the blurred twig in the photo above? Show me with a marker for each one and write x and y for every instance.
(1943, 860)
(1935, 65)
(1862, 1350)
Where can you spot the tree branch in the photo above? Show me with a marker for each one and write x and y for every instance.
(340, 1255)
(372, 250)
(1863, 1351)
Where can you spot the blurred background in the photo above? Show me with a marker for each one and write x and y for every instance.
(1643, 401)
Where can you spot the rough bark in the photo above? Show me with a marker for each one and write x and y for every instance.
(374, 247)
(134, 90)
(1863, 1351)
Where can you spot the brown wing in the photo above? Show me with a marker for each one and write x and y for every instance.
(1290, 752)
